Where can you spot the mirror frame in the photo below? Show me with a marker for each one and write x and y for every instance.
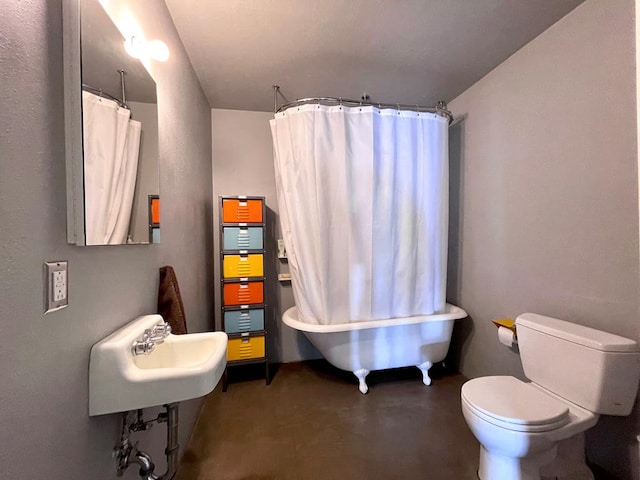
(73, 121)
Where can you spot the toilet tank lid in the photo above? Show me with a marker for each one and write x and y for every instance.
(572, 332)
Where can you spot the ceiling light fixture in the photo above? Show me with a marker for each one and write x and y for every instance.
(158, 50)
(138, 47)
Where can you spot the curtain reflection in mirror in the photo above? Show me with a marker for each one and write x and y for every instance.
(111, 147)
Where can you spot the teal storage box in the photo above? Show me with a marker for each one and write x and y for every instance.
(245, 320)
(242, 238)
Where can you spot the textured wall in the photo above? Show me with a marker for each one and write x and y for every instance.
(46, 431)
(243, 165)
(544, 184)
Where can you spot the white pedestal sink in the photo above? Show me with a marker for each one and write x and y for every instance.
(180, 368)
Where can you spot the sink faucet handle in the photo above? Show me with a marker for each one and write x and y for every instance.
(163, 329)
(143, 347)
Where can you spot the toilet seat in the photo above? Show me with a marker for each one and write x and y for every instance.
(512, 404)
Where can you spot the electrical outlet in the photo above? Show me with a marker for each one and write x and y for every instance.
(55, 286)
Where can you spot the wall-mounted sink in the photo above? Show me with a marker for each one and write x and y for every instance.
(180, 368)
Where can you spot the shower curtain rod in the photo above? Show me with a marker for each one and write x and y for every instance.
(102, 93)
(439, 109)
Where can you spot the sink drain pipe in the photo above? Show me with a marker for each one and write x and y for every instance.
(125, 453)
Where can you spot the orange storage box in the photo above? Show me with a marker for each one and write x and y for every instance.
(155, 210)
(241, 211)
(245, 348)
(243, 293)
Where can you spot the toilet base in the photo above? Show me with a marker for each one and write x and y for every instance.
(499, 467)
(570, 463)
(565, 461)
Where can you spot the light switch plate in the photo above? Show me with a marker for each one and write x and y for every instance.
(56, 281)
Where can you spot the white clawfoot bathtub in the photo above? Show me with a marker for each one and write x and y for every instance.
(361, 347)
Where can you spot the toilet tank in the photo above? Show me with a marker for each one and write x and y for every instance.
(596, 370)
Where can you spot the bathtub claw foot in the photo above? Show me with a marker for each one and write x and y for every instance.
(424, 368)
(362, 374)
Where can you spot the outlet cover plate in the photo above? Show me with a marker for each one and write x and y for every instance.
(56, 282)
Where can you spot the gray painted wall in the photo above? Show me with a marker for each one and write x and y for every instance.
(243, 165)
(46, 431)
(545, 201)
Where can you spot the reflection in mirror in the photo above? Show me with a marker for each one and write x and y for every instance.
(154, 219)
(118, 171)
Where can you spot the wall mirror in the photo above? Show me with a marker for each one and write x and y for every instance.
(111, 134)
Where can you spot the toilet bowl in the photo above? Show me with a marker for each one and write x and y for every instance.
(519, 427)
(535, 430)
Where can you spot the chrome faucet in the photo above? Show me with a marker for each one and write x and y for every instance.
(150, 338)
(159, 332)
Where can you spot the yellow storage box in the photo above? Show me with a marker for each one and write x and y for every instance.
(243, 266)
(245, 348)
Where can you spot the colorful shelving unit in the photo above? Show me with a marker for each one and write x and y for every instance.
(242, 234)
(154, 219)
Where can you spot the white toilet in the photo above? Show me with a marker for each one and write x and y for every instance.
(535, 430)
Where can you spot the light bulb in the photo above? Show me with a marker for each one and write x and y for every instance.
(135, 46)
(158, 50)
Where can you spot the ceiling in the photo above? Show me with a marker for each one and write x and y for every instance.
(397, 51)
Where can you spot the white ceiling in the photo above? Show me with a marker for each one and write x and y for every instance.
(397, 51)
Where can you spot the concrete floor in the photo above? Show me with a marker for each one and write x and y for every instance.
(312, 423)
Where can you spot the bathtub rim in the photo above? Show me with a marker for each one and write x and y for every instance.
(289, 317)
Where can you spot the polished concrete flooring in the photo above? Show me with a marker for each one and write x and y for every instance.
(312, 423)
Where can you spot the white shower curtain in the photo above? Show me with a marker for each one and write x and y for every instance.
(111, 147)
(363, 200)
